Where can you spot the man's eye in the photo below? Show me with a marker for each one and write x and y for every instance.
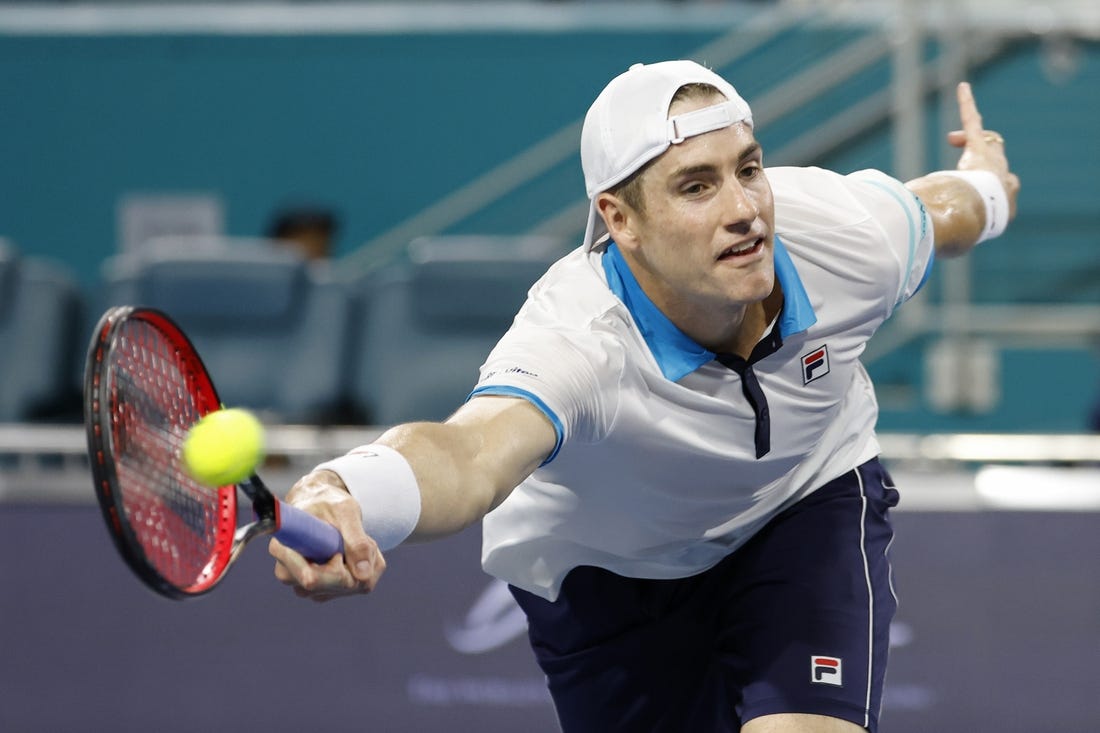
(693, 189)
(750, 171)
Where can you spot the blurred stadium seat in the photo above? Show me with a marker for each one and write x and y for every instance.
(427, 325)
(39, 320)
(270, 327)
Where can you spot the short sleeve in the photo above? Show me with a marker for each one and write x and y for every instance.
(572, 377)
(906, 224)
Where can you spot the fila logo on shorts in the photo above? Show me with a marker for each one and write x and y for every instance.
(815, 364)
(826, 670)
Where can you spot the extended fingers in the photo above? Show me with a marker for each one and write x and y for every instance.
(972, 135)
(968, 112)
(959, 138)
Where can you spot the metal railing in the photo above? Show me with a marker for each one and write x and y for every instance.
(48, 464)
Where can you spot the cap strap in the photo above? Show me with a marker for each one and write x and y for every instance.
(706, 119)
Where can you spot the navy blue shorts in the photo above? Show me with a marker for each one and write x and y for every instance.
(797, 620)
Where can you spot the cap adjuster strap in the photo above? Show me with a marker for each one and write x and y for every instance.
(704, 120)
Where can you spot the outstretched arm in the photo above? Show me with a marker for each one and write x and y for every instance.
(961, 212)
(463, 468)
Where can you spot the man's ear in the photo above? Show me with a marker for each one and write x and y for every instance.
(619, 218)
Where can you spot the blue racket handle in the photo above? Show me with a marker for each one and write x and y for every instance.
(314, 538)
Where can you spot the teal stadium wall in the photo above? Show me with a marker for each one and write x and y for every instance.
(380, 126)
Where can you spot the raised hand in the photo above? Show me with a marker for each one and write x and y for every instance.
(982, 149)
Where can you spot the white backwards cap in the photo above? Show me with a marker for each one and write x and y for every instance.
(628, 125)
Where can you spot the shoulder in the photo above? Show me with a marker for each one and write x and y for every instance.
(572, 297)
(814, 203)
(864, 227)
(819, 198)
(571, 322)
(566, 349)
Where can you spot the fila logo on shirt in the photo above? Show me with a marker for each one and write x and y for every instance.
(826, 670)
(815, 364)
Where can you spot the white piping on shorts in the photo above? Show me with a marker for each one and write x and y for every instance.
(886, 553)
(870, 600)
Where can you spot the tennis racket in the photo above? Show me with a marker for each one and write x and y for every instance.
(144, 387)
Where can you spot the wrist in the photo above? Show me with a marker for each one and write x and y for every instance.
(382, 482)
(994, 198)
(329, 478)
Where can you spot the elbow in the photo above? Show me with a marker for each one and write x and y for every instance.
(956, 230)
(952, 248)
(956, 210)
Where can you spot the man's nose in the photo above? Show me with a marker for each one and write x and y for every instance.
(738, 207)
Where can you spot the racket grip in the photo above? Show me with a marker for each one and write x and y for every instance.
(314, 538)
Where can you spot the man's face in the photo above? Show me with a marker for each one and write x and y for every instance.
(705, 239)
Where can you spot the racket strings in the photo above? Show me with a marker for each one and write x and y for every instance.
(179, 524)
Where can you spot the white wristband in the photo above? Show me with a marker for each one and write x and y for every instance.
(383, 483)
(993, 194)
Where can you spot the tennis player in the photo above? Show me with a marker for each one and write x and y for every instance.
(673, 448)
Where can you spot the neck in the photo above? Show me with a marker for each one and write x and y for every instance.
(754, 324)
(726, 328)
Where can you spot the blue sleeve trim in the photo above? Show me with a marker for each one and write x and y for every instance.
(912, 238)
(502, 390)
(927, 271)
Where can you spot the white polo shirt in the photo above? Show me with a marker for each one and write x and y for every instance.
(663, 465)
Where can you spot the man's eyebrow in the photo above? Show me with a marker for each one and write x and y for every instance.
(692, 170)
(750, 151)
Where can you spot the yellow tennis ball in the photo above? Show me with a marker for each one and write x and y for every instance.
(224, 447)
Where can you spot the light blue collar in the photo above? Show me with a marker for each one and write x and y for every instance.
(676, 353)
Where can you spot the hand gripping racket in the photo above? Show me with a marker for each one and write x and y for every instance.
(144, 387)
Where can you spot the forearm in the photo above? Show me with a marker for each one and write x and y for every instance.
(454, 490)
(415, 482)
(424, 480)
(418, 481)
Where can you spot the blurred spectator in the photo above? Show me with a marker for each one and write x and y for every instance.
(309, 229)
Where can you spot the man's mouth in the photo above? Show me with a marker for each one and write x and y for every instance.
(742, 250)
